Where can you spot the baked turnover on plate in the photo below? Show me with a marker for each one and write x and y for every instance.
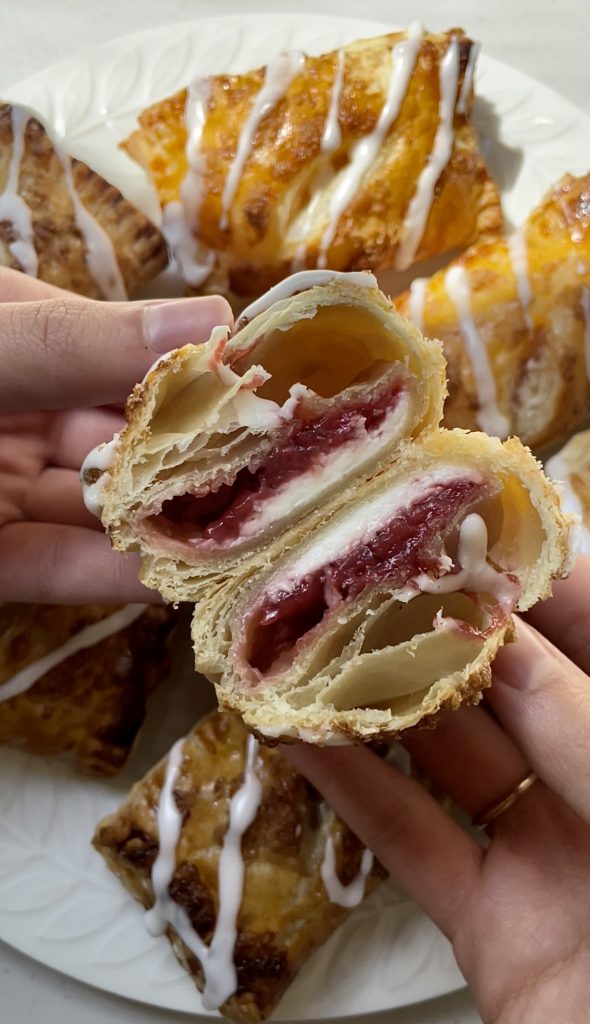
(241, 863)
(355, 566)
(514, 318)
(74, 680)
(63, 223)
(571, 468)
(362, 158)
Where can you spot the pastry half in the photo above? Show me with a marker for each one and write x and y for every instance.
(361, 158)
(570, 467)
(397, 605)
(238, 447)
(292, 859)
(74, 680)
(514, 318)
(62, 222)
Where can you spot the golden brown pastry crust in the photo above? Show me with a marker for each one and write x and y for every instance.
(542, 379)
(139, 247)
(271, 219)
(285, 913)
(92, 705)
(528, 538)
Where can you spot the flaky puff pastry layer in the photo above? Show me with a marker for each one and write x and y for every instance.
(537, 349)
(192, 423)
(285, 912)
(384, 661)
(281, 208)
(91, 706)
(139, 248)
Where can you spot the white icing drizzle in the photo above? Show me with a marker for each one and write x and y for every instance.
(332, 136)
(518, 257)
(345, 895)
(180, 220)
(468, 78)
(12, 206)
(363, 153)
(216, 959)
(99, 458)
(300, 282)
(87, 637)
(421, 202)
(279, 74)
(100, 256)
(417, 300)
(475, 573)
(585, 304)
(489, 417)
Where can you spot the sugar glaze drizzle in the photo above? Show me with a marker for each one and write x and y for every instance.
(475, 573)
(13, 207)
(585, 304)
(421, 202)
(180, 219)
(100, 458)
(489, 417)
(279, 74)
(216, 959)
(332, 136)
(403, 61)
(87, 637)
(417, 300)
(518, 258)
(99, 255)
(345, 895)
(468, 78)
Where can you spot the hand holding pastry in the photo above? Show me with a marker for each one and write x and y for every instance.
(66, 365)
(516, 912)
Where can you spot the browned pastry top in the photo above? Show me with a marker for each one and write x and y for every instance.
(285, 912)
(139, 248)
(92, 704)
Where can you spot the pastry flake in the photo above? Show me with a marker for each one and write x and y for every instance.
(362, 158)
(74, 680)
(62, 222)
(293, 854)
(514, 318)
(330, 605)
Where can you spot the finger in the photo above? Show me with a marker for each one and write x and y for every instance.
(469, 756)
(543, 702)
(56, 497)
(18, 287)
(414, 839)
(47, 563)
(68, 352)
(77, 431)
(563, 619)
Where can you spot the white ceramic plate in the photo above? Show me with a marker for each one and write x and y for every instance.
(57, 901)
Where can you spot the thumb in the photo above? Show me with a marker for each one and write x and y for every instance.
(67, 352)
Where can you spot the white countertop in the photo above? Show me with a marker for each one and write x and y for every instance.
(549, 39)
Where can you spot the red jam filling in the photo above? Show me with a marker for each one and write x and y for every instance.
(408, 545)
(220, 515)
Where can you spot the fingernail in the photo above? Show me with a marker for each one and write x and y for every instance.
(522, 665)
(169, 325)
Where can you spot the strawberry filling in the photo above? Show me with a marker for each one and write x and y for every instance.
(219, 516)
(409, 545)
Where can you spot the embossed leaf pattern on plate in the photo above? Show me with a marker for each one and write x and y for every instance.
(58, 902)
